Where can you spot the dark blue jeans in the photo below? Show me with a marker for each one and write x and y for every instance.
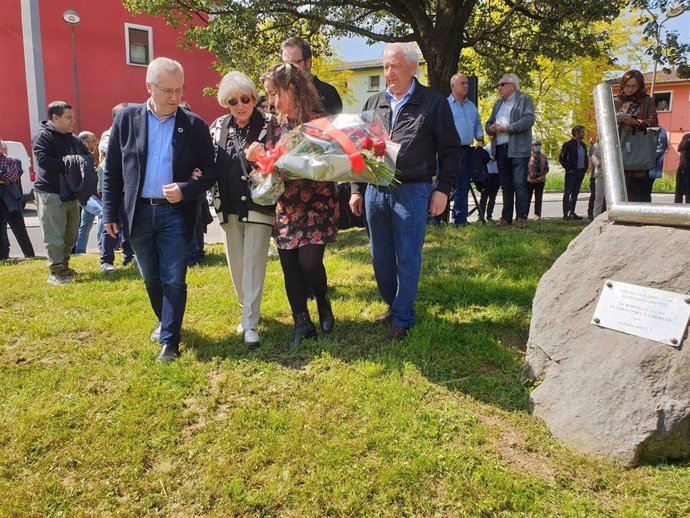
(462, 190)
(573, 182)
(513, 174)
(159, 242)
(396, 220)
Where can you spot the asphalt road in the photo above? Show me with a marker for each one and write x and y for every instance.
(551, 209)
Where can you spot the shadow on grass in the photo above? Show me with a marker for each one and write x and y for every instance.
(473, 313)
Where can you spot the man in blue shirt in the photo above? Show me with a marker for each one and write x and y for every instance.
(153, 152)
(469, 128)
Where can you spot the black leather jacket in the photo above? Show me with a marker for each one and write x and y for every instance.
(424, 128)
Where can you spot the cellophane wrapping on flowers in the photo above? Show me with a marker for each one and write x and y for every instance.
(340, 148)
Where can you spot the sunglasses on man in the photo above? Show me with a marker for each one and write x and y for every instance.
(501, 85)
(245, 100)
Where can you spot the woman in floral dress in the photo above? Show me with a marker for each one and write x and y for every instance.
(307, 212)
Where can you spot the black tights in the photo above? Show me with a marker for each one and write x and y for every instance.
(303, 271)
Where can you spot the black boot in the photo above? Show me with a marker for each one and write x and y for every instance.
(304, 328)
(326, 319)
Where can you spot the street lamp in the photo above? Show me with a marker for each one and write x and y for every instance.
(674, 11)
(72, 18)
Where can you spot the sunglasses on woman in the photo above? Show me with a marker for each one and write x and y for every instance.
(245, 100)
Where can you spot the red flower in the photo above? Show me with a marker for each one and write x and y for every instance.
(366, 142)
(379, 147)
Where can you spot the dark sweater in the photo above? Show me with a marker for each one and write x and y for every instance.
(49, 146)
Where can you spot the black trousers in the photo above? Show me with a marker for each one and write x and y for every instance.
(538, 190)
(573, 182)
(636, 187)
(489, 190)
(304, 273)
(15, 220)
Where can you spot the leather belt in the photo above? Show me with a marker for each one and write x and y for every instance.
(154, 201)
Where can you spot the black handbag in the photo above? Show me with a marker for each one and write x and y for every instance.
(638, 147)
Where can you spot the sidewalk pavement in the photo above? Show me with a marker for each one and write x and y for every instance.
(551, 209)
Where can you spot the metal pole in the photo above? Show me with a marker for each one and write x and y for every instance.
(76, 80)
(609, 143)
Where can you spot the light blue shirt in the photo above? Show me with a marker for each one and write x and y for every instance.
(467, 122)
(397, 104)
(159, 171)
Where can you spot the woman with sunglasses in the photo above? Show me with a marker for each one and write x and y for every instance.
(307, 212)
(246, 226)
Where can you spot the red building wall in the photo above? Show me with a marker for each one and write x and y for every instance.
(14, 122)
(105, 78)
(677, 120)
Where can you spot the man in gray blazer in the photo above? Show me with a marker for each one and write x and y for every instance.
(511, 124)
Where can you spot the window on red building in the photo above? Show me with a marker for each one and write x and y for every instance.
(138, 44)
(663, 101)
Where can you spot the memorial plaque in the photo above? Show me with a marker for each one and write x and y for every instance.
(654, 314)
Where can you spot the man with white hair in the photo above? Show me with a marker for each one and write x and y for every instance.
(420, 120)
(153, 150)
(511, 124)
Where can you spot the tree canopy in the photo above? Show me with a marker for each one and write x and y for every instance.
(506, 35)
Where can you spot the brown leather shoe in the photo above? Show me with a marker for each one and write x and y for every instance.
(521, 223)
(503, 223)
(384, 319)
(396, 334)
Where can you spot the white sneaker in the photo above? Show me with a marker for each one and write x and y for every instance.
(240, 329)
(251, 338)
(108, 268)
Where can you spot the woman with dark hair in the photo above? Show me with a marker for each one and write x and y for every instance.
(636, 109)
(683, 173)
(307, 212)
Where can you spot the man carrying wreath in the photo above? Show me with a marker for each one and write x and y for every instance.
(420, 120)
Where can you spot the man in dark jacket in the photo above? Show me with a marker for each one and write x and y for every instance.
(420, 120)
(153, 150)
(11, 211)
(574, 160)
(58, 210)
(298, 52)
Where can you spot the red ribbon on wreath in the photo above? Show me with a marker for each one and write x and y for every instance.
(348, 146)
(267, 160)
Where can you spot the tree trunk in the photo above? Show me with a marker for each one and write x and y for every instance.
(441, 60)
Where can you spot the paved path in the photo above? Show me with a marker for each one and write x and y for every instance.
(551, 209)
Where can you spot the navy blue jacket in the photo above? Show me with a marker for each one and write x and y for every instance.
(125, 163)
(568, 156)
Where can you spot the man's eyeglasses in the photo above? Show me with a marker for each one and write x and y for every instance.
(501, 85)
(296, 62)
(245, 100)
(170, 91)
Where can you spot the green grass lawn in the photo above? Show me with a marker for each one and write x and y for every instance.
(349, 426)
